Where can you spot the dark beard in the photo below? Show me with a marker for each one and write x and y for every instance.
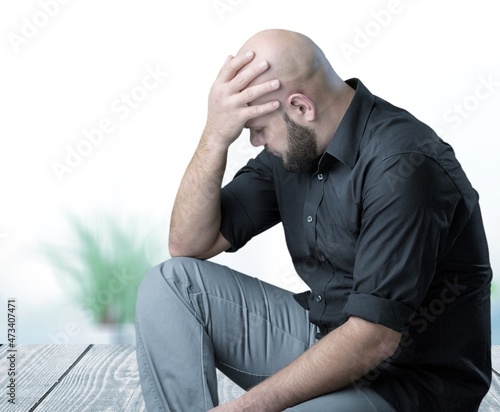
(302, 156)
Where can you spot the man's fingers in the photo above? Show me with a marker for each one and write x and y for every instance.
(234, 64)
(251, 93)
(232, 103)
(247, 74)
(251, 112)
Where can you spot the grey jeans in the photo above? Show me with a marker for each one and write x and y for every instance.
(194, 316)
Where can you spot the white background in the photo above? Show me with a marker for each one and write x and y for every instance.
(64, 76)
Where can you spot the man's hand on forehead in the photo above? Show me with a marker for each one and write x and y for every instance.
(236, 96)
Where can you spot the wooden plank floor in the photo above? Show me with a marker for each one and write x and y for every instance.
(104, 378)
(67, 378)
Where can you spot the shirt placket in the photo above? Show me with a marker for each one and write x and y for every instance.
(311, 207)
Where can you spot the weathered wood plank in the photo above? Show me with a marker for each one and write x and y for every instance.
(38, 368)
(491, 402)
(106, 379)
(227, 389)
(136, 401)
(495, 358)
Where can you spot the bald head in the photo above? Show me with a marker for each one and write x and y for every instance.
(310, 93)
(295, 60)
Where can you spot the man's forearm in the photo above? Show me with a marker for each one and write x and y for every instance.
(333, 363)
(196, 215)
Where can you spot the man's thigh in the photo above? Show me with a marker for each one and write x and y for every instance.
(255, 328)
(248, 328)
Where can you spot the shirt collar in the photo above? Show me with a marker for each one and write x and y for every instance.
(345, 143)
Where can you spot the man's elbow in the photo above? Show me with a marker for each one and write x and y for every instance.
(198, 248)
(382, 341)
(177, 249)
(173, 252)
(183, 249)
(388, 346)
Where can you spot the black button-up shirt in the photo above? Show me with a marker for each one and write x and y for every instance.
(388, 229)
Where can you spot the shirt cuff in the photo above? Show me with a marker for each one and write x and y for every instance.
(389, 313)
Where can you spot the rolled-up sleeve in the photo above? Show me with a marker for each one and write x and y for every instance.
(410, 209)
(248, 203)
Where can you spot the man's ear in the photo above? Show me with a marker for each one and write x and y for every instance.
(301, 107)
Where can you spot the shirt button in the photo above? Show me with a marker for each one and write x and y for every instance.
(309, 219)
(320, 177)
(318, 298)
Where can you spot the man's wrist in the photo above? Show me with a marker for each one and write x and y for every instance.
(259, 399)
(213, 139)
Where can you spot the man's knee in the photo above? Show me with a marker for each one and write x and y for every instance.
(180, 267)
(158, 281)
(174, 268)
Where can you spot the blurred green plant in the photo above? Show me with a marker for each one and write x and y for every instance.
(103, 266)
(494, 289)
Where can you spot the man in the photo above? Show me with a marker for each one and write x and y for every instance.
(381, 223)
